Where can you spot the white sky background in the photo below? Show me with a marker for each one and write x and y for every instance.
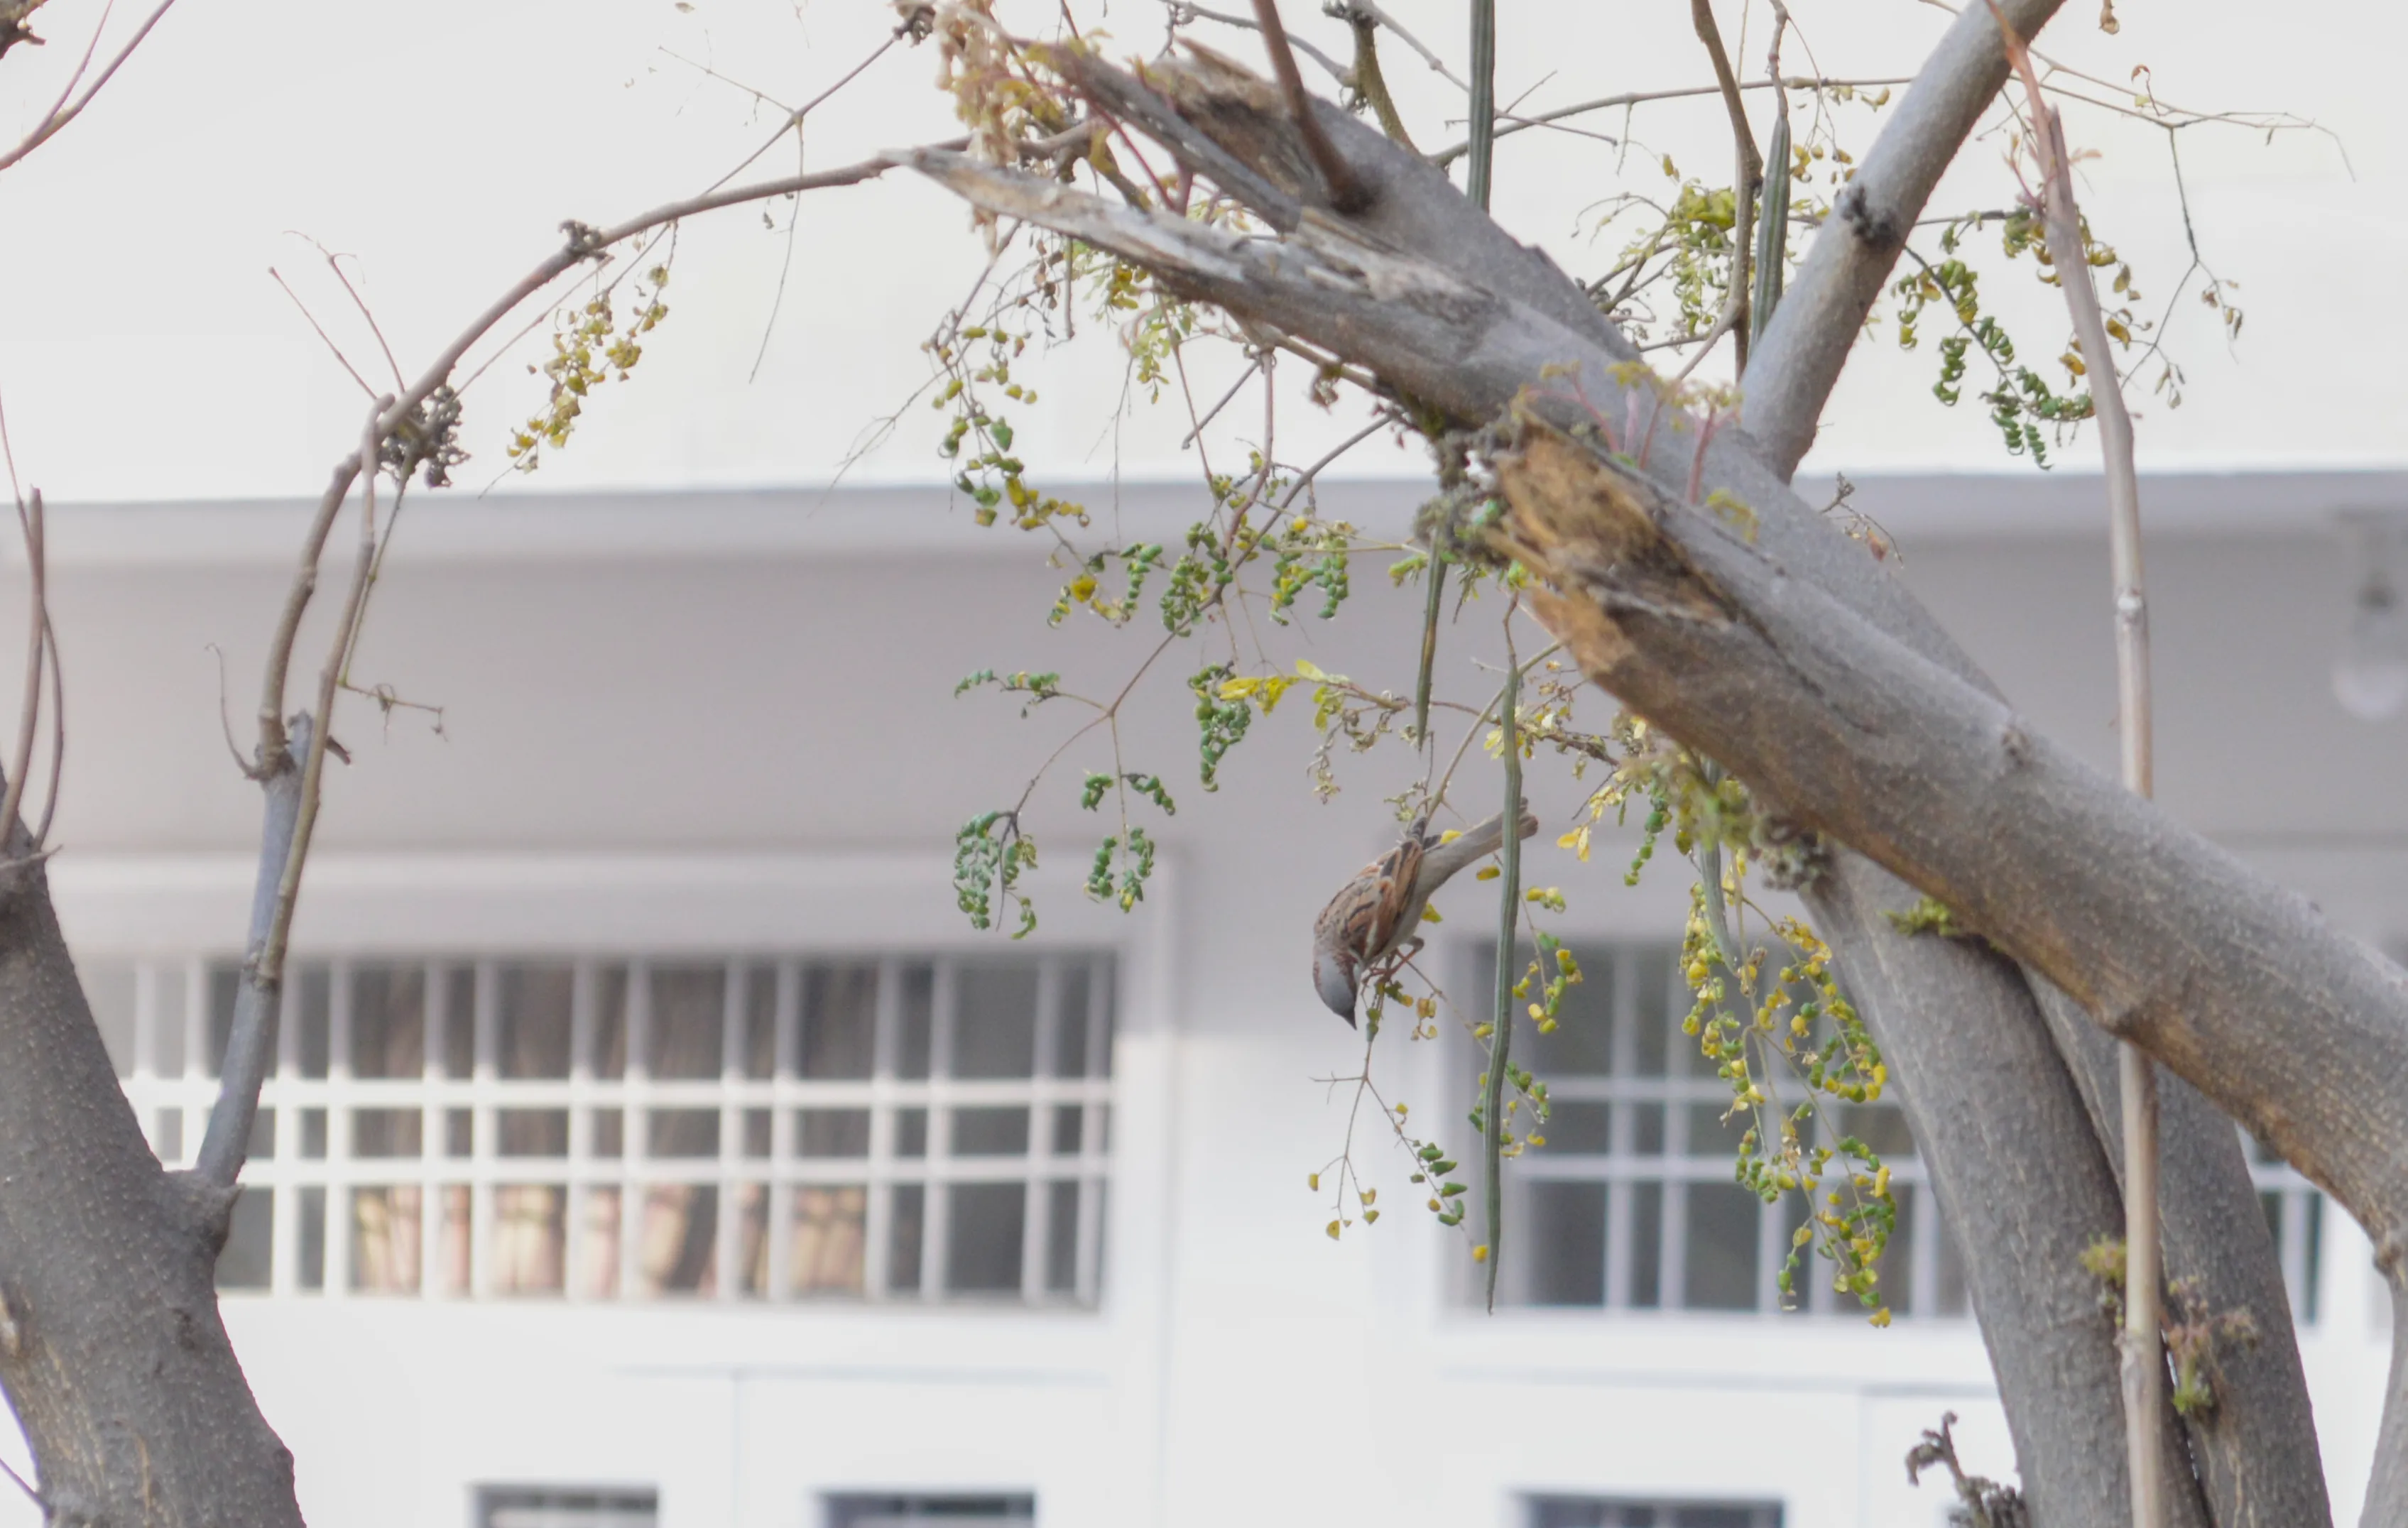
(145, 352)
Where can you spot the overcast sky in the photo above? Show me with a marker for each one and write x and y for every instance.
(146, 352)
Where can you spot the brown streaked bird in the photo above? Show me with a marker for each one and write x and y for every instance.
(1374, 917)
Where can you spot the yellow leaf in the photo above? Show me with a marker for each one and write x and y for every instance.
(1333, 1231)
(1480, 1253)
(1429, 914)
(1487, 872)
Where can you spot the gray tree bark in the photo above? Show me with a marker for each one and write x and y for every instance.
(111, 1349)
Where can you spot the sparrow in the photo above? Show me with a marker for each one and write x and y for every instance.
(1373, 918)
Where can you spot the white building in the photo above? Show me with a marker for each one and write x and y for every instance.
(655, 1142)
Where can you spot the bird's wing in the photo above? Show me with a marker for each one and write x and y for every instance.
(1389, 913)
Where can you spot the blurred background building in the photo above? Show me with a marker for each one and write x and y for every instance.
(654, 1142)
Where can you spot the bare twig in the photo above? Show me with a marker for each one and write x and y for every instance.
(29, 712)
(2143, 1367)
(1747, 178)
(1347, 193)
(311, 319)
(64, 111)
(1523, 123)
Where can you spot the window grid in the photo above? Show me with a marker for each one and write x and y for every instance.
(1648, 1074)
(480, 1208)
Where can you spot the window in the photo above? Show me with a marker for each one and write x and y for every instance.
(872, 1511)
(890, 1128)
(1630, 1204)
(1588, 1512)
(571, 1507)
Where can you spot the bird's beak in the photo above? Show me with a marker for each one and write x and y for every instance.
(1336, 987)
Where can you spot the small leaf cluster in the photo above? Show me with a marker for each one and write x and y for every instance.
(1135, 866)
(588, 347)
(1039, 688)
(989, 855)
(1221, 724)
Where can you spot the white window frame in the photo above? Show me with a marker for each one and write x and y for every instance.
(597, 910)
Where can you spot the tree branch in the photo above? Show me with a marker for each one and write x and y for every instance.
(64, 111)
(1798, 360)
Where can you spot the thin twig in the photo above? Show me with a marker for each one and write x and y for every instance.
(66, 112)
(29, 712)
(311, 319)
(1635, 98)
(2143, 1360)
(1747, 178)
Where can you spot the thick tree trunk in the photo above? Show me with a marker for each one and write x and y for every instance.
(2256, 1446)
(1980, 1087)
(111, 1351)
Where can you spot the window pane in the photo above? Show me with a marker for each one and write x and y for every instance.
(689, 1020)
(678, 1235)
(840, 1021)
(315, 996)
(1062, 1239)
(529, 1238)
(908, 1202)
(761, 1023)
(312, 1272)
(387, 1020)
(610, 1023)
(995, 1030)
(983, 1238)
(837, 1133)
(385, 1234)
(682, 1132)
(242, 1262)
(1721, 1260)
(1576, 1127)
(1069, 1122)
(460, 1021)
(828, 1240)
(533, 1133)
(910, 1133)
(918, 1003)
(991, 1133)
(1563, 1234)
(536, 1004)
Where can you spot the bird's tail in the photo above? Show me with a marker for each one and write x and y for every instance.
(1442, 862)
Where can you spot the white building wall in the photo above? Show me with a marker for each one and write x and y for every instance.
(724, 724)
